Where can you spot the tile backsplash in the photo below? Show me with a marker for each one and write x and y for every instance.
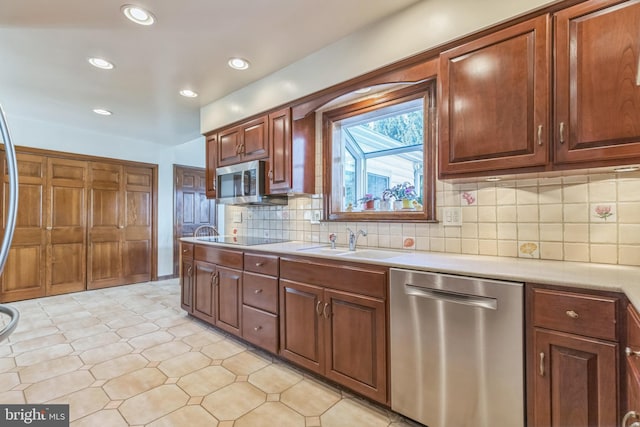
(591, 217)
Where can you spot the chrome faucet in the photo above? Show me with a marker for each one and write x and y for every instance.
(353, 238)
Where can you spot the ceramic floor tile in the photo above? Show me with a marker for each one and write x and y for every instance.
(348, 412)
(95, 341)
(203, 338)
(119, 366)
(115, 321)
(12, 398)
(151, 340)
(37, 343)
(185, 329)
(133, 383)
(166, 351)
(297, 397)
(49, 369)
(8, 381)
(79, 324)
(58, 386)
(153, 404)
(206, 381)
(27, 334)
(108, 418)
(6, 364)
(233, 401)
(84, 402)
(74, 334)
(192, 416)
(271, 414)
(137, 330)
(49, 353)
(244, 363)
(274, 378)
(104, 353)
(184, 364)
(222, 349)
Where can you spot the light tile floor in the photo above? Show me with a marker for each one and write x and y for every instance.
(130, 356)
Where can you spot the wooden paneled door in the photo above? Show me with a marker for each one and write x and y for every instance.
(191, 206)
(66, 226)
(24, 272)
(120, 225)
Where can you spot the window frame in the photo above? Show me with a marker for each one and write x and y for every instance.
(426, 91)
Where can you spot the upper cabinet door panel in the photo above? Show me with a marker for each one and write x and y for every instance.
(254, 144)
(494, 101)
(598, 82)
(229, 146)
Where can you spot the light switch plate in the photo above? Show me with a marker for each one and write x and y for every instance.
(452, 217)
(315, 217)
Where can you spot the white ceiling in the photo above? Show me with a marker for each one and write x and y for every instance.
(44, 46)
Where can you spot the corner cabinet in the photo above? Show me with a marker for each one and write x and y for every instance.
(333, 322)
(494, 101)
(572, 358)
(597, 83)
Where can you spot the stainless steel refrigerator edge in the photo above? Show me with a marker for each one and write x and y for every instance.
(457, 350)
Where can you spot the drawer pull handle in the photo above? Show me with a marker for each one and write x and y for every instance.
(572, 314)
(190, 271)
(628, 416)
(257, 291)
(259, 264)
(257, 328)
(540, 135)
(324, 310)
(561, 132)
(184, 251)
(318, 309)
(630, 352)
(542, 364)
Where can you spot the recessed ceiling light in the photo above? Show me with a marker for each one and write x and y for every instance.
(138, 14)
(493, 179)
(101, 63)
(627, 169)
(102, 111)
(188, 93)
(363, 90)
(238, 63)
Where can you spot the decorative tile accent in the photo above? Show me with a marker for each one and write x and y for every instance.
(469, 198)
(604, 212)
(528, 249)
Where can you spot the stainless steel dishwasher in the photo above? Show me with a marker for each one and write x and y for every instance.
(456, 350)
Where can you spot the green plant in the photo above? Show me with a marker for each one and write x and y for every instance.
(368, 198)
(406, 190)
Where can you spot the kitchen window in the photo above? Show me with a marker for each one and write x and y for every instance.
(379, 156)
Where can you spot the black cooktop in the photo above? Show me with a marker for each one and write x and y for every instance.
(241, 240)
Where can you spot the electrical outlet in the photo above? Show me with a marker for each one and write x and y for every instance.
(315, 217)
(452, 216)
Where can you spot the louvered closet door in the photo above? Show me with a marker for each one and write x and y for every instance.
(66, 226)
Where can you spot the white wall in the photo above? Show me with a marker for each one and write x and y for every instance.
(50, 136)
(413, 30)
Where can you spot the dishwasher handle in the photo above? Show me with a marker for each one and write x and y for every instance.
(453, 297)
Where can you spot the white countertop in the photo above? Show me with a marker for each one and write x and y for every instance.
(573, 274)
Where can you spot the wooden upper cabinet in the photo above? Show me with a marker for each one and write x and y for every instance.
(280, 167)
(244, 142)
(597, 83)
(212, 163)
(494, 102)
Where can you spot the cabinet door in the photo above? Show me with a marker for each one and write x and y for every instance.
(633, 361)
(495, 101)
(186, 284)
(228, 299)
(229, 141)
(254, 144)
(279, 173)
(24, 272)
(301, 325)
(575, 381)
(212, 164)
(66, 225)
(356, 343)
(203, 291)
(137, 224)
(596, 80)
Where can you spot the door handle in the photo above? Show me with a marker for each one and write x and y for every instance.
(453, 297)
(540, 135)
(561, 132)
(318, 309)
(324, 310)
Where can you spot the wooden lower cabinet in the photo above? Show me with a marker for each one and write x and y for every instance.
(338, 333)
(632, 369)
(228, 299)
(572, 372)
(186, 277)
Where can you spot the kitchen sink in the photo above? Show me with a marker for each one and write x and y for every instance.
(324, 250)
(372, 254)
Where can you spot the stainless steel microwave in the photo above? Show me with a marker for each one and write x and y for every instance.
(244, 184)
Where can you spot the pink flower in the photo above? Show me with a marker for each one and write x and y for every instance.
(603, 211)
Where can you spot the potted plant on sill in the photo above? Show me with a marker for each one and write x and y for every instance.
(368, 201)
(403, 194)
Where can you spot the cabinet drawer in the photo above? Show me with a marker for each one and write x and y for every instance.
(187, 250)
(224, 257)
(260, 328)
(263, 264)
(260, 291)
(589, 315)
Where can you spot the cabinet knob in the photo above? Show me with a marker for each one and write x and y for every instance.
(257, 291)
(572, 314)
(49, 228)
(259, 264)
(270, 175)
(184, 251)
(257, 328)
